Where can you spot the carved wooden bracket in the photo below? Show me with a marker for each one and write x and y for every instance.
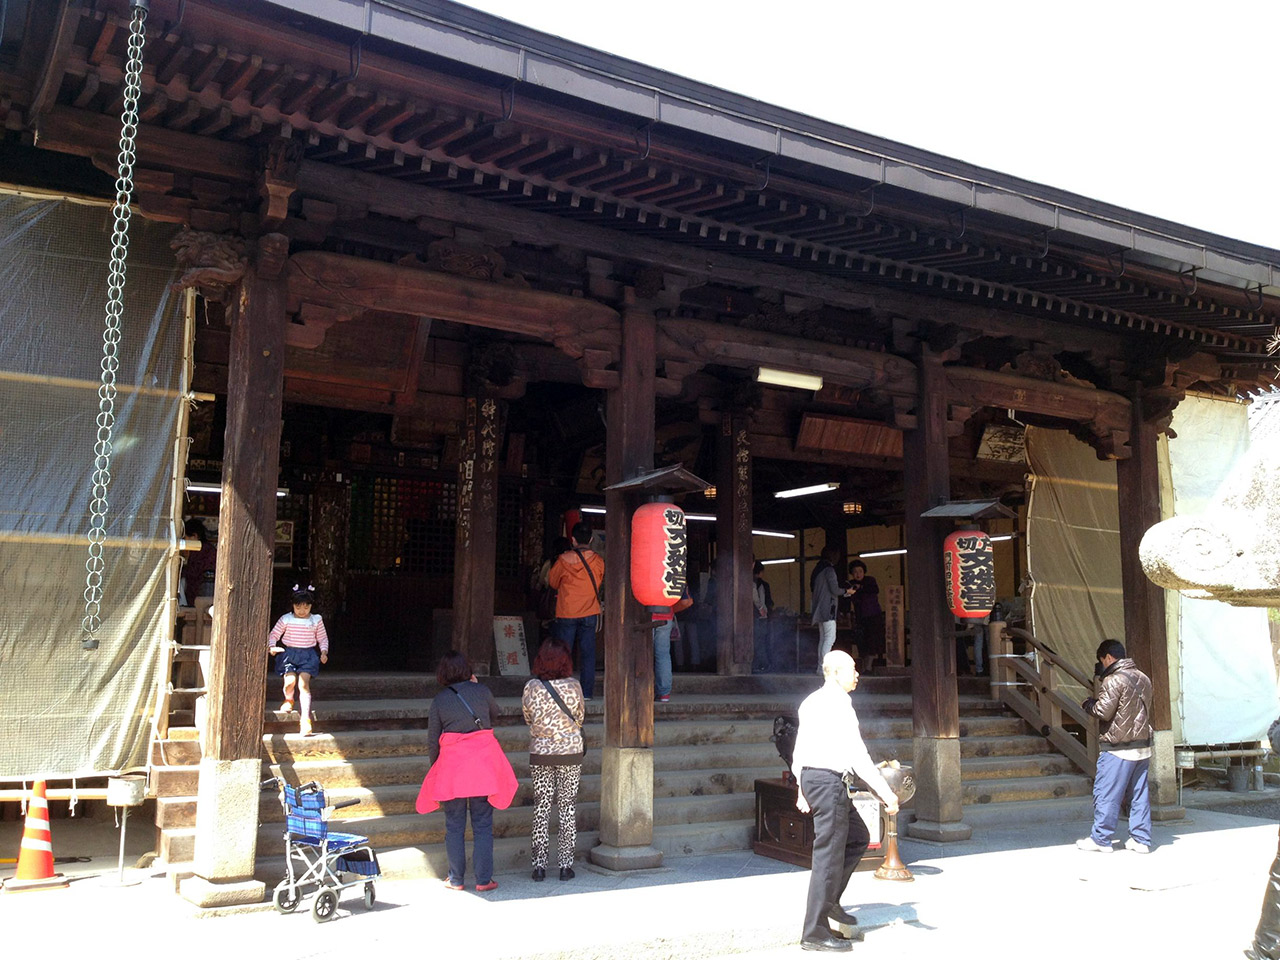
(213, 263)
(314, 321)
(280, 161)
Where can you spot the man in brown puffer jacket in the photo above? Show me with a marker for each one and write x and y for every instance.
(1123, 709)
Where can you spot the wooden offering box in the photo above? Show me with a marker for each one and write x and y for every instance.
(784, 833)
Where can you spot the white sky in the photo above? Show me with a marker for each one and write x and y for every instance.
(1167, 108)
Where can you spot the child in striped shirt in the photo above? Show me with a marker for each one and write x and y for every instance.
(301, 644)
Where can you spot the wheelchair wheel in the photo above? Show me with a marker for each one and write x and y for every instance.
(325, 906)
(369, 895)
(286, 898)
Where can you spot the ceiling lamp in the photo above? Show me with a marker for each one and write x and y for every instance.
(805, 491)
(785, 378)
(853, 507)
(710, 492)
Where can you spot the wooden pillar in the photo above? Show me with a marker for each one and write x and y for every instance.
(227, 809)
(475, 545)
(735, 628)
(1145, 639)
(934, 697)
(626, 788)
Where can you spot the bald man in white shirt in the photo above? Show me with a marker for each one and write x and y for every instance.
(828, 743)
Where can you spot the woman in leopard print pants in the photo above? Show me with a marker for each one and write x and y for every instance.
(555, 753)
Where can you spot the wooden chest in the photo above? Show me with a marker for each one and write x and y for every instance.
(784, 833)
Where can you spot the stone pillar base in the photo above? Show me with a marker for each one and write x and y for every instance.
(1167, 811)
(938, 802)
(625, 858)
(226, 835)
(939, 832)
(626, 810)
(211, 893)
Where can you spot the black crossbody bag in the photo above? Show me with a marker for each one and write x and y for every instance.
(561, 704)
(479, 725)
(595, 586)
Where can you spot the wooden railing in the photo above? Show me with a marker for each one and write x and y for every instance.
(1027, 682)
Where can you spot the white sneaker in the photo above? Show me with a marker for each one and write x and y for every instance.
(1136, 847)
(1088, 844)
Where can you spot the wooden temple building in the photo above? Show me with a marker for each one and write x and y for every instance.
(456, 278)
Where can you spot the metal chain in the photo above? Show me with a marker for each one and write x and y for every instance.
(106, 419)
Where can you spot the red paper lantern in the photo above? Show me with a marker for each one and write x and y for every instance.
(970, 569)
(659, 547)
(571, 518)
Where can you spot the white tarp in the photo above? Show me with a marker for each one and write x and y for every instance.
(65, 711)
(1227, 678)
(1073, 548)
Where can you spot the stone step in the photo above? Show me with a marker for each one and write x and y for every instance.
(413, 713)
(409, 686)
(411, 829)
(1003, 767)
(1028, 812)
(1021, 789)
(511, 854)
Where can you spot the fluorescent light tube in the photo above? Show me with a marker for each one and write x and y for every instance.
(786, 378)
(805, 491)
(216, 489)
(781, 535)
(596, 510)
(883, 553)
(769, 563)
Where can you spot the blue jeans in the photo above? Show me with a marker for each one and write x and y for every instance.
(455, 837)
(662, 659)
(1116, 781)
(581, 632)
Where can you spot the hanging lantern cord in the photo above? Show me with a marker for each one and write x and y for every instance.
(106, 418)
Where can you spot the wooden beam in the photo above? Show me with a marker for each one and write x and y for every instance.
(572, 323)
(476, 541)
(410, 201)
(782, 448)
(935, 707)
(735, 622)
(737, 347)
(92, 135)
(628, 635)
(242, 586)
(1106, 415)
(1138, 492)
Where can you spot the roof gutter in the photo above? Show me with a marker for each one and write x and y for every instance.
(491, 44)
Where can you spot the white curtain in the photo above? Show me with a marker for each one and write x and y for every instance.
(1073, 548)
(1228, 677)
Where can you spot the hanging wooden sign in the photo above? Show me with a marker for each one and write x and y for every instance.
(659, 553)
(969, 566)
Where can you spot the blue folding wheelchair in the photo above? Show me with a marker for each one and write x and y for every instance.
(322, 856)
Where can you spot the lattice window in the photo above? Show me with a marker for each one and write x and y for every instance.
(402, 525)
(509, 528)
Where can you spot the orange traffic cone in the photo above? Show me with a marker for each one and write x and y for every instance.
(35, 858)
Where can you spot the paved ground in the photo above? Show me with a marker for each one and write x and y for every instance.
(1016, 889)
